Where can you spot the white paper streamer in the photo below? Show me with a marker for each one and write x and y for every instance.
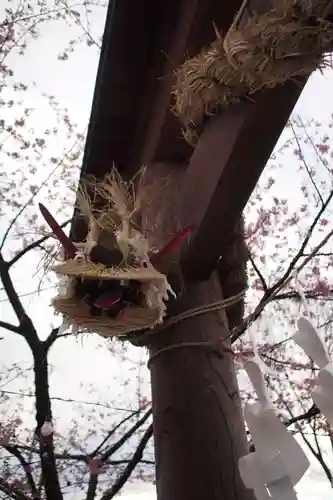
(255, 374)
(279, 462)
(257, 358)
(299, 290)
(310, 341)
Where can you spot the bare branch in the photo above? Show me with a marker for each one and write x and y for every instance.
(31, 293)
(114, 430)
(30, 200)
(269, 295)
(11, 491)
(306, 240)
(306, 166)
(26, 328)
(10, 290)
(115, 447)
(13, 450)
(308, 415)
(33, 245)
(313, 145)
(92, 487)
(40, 187)
(260, 276)
(92, 41)
(11, 328)
(51, 338)
(43, 414)
(79, 457)
(69, 400)
(137, 456)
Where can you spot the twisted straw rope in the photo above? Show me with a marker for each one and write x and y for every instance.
(191, 313)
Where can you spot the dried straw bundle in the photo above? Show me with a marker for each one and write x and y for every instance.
(264, 51)
(134, 318)
(85, 268)
(112, 209)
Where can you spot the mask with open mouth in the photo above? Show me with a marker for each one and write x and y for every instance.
(111, 278)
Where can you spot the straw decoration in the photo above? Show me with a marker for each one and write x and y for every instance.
(262, 52)
(109, 283)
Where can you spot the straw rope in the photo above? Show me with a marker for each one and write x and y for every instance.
(265, 51)
(216, 347)
(191, 313)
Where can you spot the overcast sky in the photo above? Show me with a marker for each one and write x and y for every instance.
(77, 366)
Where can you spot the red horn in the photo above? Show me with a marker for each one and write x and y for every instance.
(68, 246)
(169, 247)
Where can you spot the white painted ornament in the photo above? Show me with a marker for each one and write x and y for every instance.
(279, 462)
(310, 341)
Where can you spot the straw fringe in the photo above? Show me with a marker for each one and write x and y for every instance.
(111, 208)
(91, 270)
(267, 50)
(135, 318)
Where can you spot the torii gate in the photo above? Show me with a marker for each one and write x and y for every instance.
(198, 427)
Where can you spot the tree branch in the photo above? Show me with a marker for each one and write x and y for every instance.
(313, 145)
(113, 431)
(260, 276)
(300, 252)
(310, 294)
(44, 414)
(308, 415)
(92, 486)
(81, 457)
(67, 400)
(319, 455)
(33, 245)
(26, 328)
(29, 201)
(11, 491)
(13, 450)
(10, 290)
(51, 338)
(269, 295)
(11, 328)
(137, 456)
(115, 447)
(306, 166)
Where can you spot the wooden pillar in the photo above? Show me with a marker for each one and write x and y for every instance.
(198, 425)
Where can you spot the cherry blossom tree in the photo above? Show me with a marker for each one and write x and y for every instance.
(104, 441)
(283, 238)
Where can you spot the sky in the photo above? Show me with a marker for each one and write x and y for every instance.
(79, 366)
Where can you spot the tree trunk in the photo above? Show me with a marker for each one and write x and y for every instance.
(198, 425)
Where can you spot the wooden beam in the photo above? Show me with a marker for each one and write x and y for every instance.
(143, 42)
(224, 169)
(129, 37)
(131, 122)
(159, 132)
(226, 165)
